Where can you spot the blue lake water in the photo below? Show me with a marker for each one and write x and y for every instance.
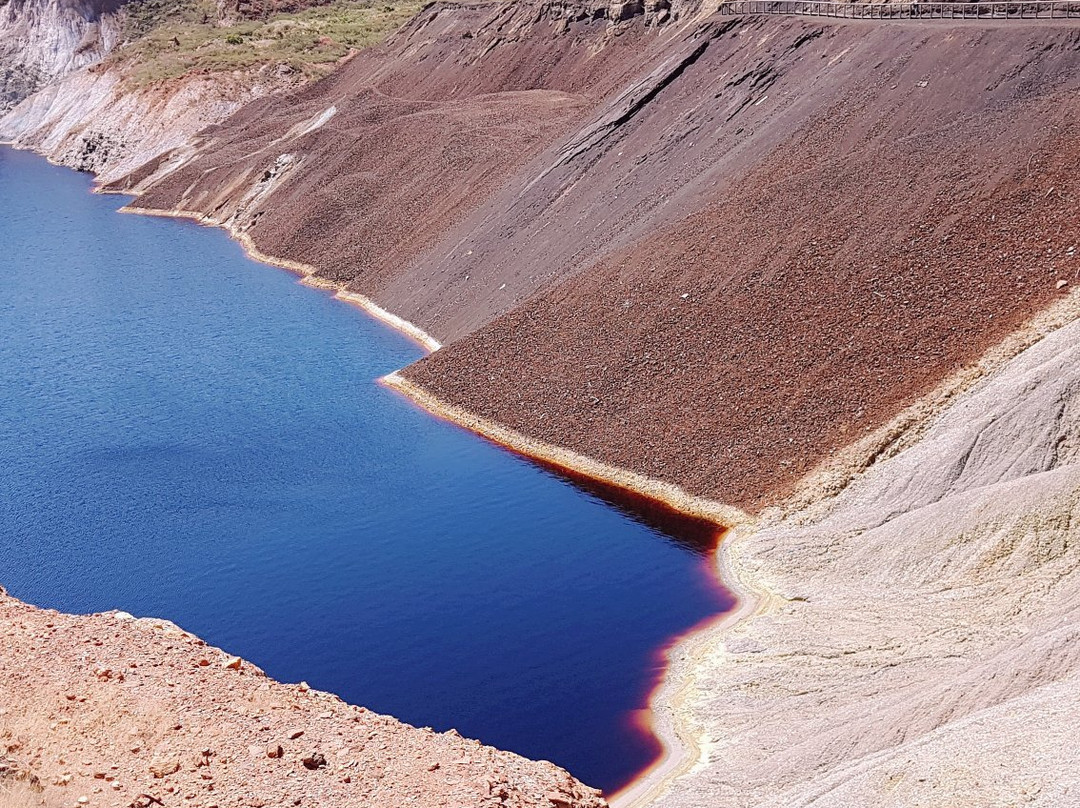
(188, 434)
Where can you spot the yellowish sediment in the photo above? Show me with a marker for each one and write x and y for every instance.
(682, 751)
(670, 495)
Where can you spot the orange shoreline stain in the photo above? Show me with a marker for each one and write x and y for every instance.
(695, 534)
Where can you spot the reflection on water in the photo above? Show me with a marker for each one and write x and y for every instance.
(690, 533)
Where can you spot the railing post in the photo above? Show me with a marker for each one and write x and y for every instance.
(905, 9)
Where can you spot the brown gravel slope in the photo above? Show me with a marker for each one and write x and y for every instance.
(922, 211)
(107, 710)
(401, 143)
(713, 250)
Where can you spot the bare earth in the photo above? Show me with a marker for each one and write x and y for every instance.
(125, 712)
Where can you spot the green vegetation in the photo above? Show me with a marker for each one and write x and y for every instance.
(171, 38)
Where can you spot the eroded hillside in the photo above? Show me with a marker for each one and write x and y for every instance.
(766, 260)
(715, 252)
(42, 40)
(105, 88)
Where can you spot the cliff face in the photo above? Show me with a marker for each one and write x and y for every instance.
(93, 120)
(42, 40)
(57, 98)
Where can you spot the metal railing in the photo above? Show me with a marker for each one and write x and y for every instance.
(1030, 10)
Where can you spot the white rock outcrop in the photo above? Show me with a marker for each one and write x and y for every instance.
(94, 121)
(60, 97)
(42, 40)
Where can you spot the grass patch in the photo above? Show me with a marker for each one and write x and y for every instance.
(172, 38)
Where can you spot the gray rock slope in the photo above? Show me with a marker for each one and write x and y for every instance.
(919, 645)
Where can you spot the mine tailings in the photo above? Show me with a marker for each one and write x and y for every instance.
(191, 435)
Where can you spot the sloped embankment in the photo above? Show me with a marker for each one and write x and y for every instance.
(715, 252)
(368, 176)
(918, 204)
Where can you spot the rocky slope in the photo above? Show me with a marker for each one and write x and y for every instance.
(367, 174)
(714, 251)
(112, 711)
(916, 203)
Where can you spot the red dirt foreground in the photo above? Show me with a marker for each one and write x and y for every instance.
(112, 711)
(713, 251)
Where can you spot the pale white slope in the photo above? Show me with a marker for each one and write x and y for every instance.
(920, 644)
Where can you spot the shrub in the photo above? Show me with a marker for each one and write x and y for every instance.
(170, 38)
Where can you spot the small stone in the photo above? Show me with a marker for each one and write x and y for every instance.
(1062, 284)
(314, 761)
(234, 664)
(164, 768)
(296, 733)
(274, 750)
(83, 800)
(204, 663)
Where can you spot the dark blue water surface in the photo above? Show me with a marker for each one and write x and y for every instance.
(188, 434)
